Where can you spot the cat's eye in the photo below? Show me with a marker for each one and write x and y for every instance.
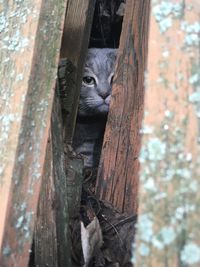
(88, 80)
(111, 79)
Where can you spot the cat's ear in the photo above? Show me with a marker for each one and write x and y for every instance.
(112, 54)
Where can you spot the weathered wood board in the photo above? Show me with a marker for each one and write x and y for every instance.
(61, 188)
(51, 239)
(168, 231)
(75, 41)
(30, 41)
(117, 180)
(45, 251)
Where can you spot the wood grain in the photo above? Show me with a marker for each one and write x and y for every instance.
(51, 239)
(45, 252)
(75, 41)
(61, 203)
(118, 171)
(168, 230)
(30, 43)
(62, 189)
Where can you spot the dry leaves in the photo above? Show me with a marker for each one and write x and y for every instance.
(91, 239)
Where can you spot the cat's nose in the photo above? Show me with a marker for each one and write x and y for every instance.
(104, 95)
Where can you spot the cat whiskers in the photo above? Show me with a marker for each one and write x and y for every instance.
(93, 102)
(83, 108)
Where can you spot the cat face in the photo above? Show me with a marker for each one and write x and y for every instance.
(96, 83)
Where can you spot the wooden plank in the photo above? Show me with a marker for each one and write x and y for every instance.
(51, 240)
(30, 39)
(45, 251)
(67, 175)
(117, 180)
(59, 198)
(77, 28)
(168, 233)
(61, 204)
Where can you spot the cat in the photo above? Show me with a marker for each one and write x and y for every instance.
(94, 102)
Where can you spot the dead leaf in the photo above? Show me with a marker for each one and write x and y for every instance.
(91, 239)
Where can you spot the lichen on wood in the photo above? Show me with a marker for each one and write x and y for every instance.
(30, 40)
(168, 226)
